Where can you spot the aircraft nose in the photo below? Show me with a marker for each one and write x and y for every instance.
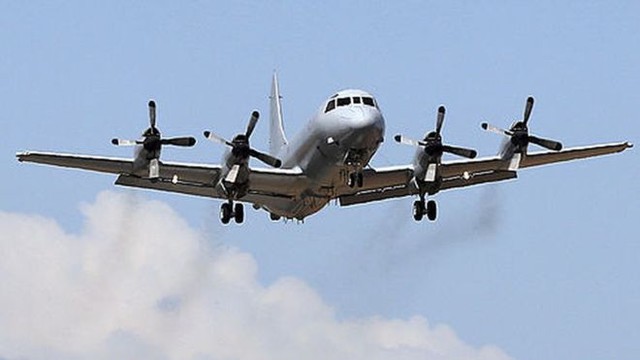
(367, 119)
(366, 127)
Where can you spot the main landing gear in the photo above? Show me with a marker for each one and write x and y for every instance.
(355, 179)
(420, 210)
(228, 211)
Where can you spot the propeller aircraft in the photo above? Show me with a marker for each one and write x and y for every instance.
(329, 160)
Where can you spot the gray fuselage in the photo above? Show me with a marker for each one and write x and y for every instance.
(335, 143)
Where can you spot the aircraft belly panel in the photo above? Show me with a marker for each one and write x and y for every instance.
(296, 208)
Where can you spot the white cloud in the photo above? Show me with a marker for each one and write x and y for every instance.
(138, 282)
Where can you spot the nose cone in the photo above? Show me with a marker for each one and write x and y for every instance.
(366, 126)
(366, 118)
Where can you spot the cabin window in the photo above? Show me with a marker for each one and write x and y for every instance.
(368, 101)
(356, 100)
(344, 101)
(330, 106)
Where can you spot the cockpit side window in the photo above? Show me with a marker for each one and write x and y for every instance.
(356, 100)
(330, 106)
(344, 101)
(368, 101)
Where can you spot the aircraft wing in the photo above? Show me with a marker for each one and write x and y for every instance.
(393, 182)
(85, 162)
(550, 157)
(184, 178)
(112, 165)
(266, 185)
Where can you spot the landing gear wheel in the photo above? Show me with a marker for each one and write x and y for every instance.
(239, 213)
(418, 210)
(431, 210)
(225, 213)
(351, 182)
(355, 179)
(274, 217)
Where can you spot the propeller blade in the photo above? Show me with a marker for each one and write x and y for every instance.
(527, 109)
(265, 158)
(495, 129)
(179, 141)
(152, 113)
(546, 143)
(440, 119)
(120, 142)
(468, 153)
(215, 138)
(407, 141)
(252, 123)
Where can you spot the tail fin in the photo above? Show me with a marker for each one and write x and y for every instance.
(277, 140)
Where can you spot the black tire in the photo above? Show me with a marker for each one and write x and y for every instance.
(418, 210)
(432, 210)
(225, 213)
(274, 217)
(239, 213)
(359, 179)
(352, 180)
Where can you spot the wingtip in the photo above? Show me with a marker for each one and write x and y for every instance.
(629, 145)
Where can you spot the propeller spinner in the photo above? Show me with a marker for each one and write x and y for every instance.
(240, 147)
(432, 143)
(519, 132)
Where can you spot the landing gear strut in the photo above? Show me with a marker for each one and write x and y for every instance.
(355, 179)
(228, 211)
(420, 210)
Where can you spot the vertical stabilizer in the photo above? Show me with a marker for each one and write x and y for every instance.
(277, 140)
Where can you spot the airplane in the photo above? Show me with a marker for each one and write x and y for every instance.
(328, 160)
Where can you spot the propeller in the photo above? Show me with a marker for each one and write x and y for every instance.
(152, 141)
(240, 147)
(432, 143)
(519, 132)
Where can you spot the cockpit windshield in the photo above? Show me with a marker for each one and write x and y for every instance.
(346, 101)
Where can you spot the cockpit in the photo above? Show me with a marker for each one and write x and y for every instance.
(336, 101)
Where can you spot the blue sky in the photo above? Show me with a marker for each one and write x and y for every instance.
(543, 267)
